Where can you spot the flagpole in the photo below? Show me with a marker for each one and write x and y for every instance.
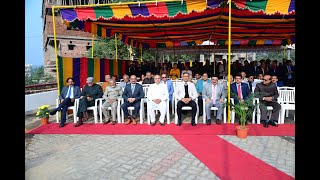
(55, 47)
(229, 59)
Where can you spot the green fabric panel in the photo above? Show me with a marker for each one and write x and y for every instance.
(90, 67)
(284, 42)
(99, 30)
(175, 7)
(256, 5)
(105, 12)
(221, 42)
(120, 69)
(252, 42)
(111, 67)
(160, 45)
(60, 68)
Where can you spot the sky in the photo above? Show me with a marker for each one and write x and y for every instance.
(33, 33)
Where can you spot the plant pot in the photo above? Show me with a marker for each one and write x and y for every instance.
(242, 132)
(44, 120)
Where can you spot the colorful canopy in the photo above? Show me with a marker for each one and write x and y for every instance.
(189, 23)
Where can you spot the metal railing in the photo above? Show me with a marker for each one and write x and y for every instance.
(36, 88)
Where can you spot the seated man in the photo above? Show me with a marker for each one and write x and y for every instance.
(186, 94)
(125, 81)
(111, 95)
(157, 96)
(199, 86)
(239, 88)
(106, 83)
(169, 85)
(214, 95)
(274, 79)
(267, 93)
(67, 96)
(148, 79)
(132, 95)
(89, 94)
(252, 83)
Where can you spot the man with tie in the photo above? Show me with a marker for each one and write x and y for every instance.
(199, 86)
(289, 78)
(214, 95)
(132, 95)
(239, 91)
(68, 94)
(169, 85)
(186, 95)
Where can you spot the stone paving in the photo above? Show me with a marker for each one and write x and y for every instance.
(278, 152)
(111, 157)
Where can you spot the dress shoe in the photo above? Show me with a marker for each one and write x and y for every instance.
(61, 125)
(153, 124)
(218, 121)
(53, 112)
(200, 114)
(106, 122)
(179, 123)
(79, 123)
(128, 121)
(208, 122)
(162, 124)
(265, 124)
(134, 122)
(114, 122)
(193, 124)
(273, 123)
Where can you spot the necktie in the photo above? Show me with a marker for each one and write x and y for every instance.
(69, 92)
(214, 94)
(132, 88)
(289, 75)
(239, 91)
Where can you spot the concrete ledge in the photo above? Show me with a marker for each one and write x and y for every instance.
(33, 101)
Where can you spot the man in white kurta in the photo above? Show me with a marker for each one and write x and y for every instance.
(157, 96)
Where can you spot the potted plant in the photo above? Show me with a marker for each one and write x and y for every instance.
(243, 110)
(43, 114)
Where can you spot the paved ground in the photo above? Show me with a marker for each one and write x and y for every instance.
(137, 156)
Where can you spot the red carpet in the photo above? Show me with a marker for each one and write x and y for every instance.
(228, 161)
(171, 129)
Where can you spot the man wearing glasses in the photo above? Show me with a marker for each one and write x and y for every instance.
(90, 93)
(169, 84)
(267, 93)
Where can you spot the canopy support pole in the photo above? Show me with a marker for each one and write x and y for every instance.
(92, 45)
(141, 53)
(116, 44)
(55, 47)
(229, 59)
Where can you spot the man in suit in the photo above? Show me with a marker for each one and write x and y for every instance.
(214, 95)
(169, 85)
(132, 95)
(289, 71)
(68, 95)
(199, 86)
(157, 97)
(90, 93)
(186, 94)
(239, 91)
(267, 93)
(274, 79)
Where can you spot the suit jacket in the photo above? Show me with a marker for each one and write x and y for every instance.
(179, 92)
(64, 91)
(199, 85)
(170, 88)
(138, 93)
(207, 92)
(269, 90)
(245, 91)
(95, 91)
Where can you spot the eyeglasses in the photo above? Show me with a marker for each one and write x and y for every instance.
(164, 77)
(266, 79)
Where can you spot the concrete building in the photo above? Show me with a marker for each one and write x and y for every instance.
(27, 70)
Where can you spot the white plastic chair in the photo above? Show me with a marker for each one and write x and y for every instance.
(131, 108)
(257, 110)
(74, 109)
(167, 114)
(109, 109)
(215, 109)
(287, 101)
(185, 108)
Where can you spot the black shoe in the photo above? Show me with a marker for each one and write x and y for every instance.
(162, 124)
(218, 122)
(61, 125)
(153, 124)
(193, 124)
(53, 112)
(265, 124)
(179, 123)
(208, 122)
(273, 123)
(200, 114)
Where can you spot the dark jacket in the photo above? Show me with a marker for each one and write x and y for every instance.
(138, 93)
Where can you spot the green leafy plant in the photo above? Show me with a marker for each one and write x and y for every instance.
(43, 111)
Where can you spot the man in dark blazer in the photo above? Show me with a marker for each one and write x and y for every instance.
(244, 91)
(267, 93)
(68, 95)
(132, 95)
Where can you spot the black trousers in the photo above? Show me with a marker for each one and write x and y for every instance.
(83, 105)
(275, 112)
(192, 104)
(136, 106)
(63, 107)
(200, 105)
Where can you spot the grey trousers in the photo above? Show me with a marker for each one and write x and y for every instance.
(208, 111)
(275, 112)
(106, 112)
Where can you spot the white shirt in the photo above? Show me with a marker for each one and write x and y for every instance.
(179, 91)
(71, 93)
(157, 91)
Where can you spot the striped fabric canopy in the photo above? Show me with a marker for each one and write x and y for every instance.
(174, 24)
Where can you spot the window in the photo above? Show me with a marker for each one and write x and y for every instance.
(71, 47)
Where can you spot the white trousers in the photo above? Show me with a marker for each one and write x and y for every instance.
(161, 107)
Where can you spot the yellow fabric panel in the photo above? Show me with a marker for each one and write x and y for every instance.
(121, 11)
(169, 44)
(93, 28)
(260, 41)
(198, 42)
(96, 71)
(115, 67)
(67, 64)
(103, 33)
(277, 5)
(197, 5)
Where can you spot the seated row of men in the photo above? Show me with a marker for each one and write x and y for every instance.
(185, 92)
